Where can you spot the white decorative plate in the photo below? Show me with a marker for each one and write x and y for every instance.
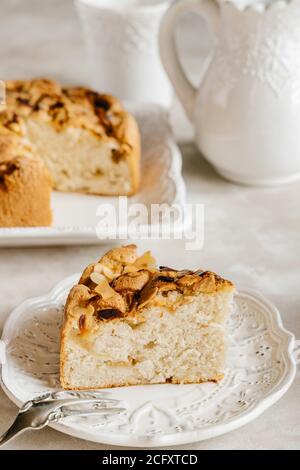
(75, 217)
(261, 367)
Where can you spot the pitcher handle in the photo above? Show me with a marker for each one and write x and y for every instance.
(210, 11)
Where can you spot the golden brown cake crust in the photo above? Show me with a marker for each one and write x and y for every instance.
(25, 193)
(173, 381)
(120, 285)
(76, 107)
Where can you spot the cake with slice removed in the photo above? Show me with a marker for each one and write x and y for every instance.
(88, 142)
(25, 193)
(128, 322)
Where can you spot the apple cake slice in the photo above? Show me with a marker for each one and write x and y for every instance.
(128, 322)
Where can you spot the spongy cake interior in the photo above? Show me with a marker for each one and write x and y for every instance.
(79, 161)
(186, 345)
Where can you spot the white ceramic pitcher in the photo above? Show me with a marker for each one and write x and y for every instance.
(247, 110)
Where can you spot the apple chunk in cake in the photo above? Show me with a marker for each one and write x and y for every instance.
(128, 322)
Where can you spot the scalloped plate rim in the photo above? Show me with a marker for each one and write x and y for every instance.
(186, 437)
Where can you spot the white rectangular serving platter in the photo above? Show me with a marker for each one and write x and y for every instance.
(75, 218)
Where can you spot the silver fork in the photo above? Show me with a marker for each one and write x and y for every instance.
(52, 407)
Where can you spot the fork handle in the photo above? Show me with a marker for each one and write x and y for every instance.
(18, 426)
